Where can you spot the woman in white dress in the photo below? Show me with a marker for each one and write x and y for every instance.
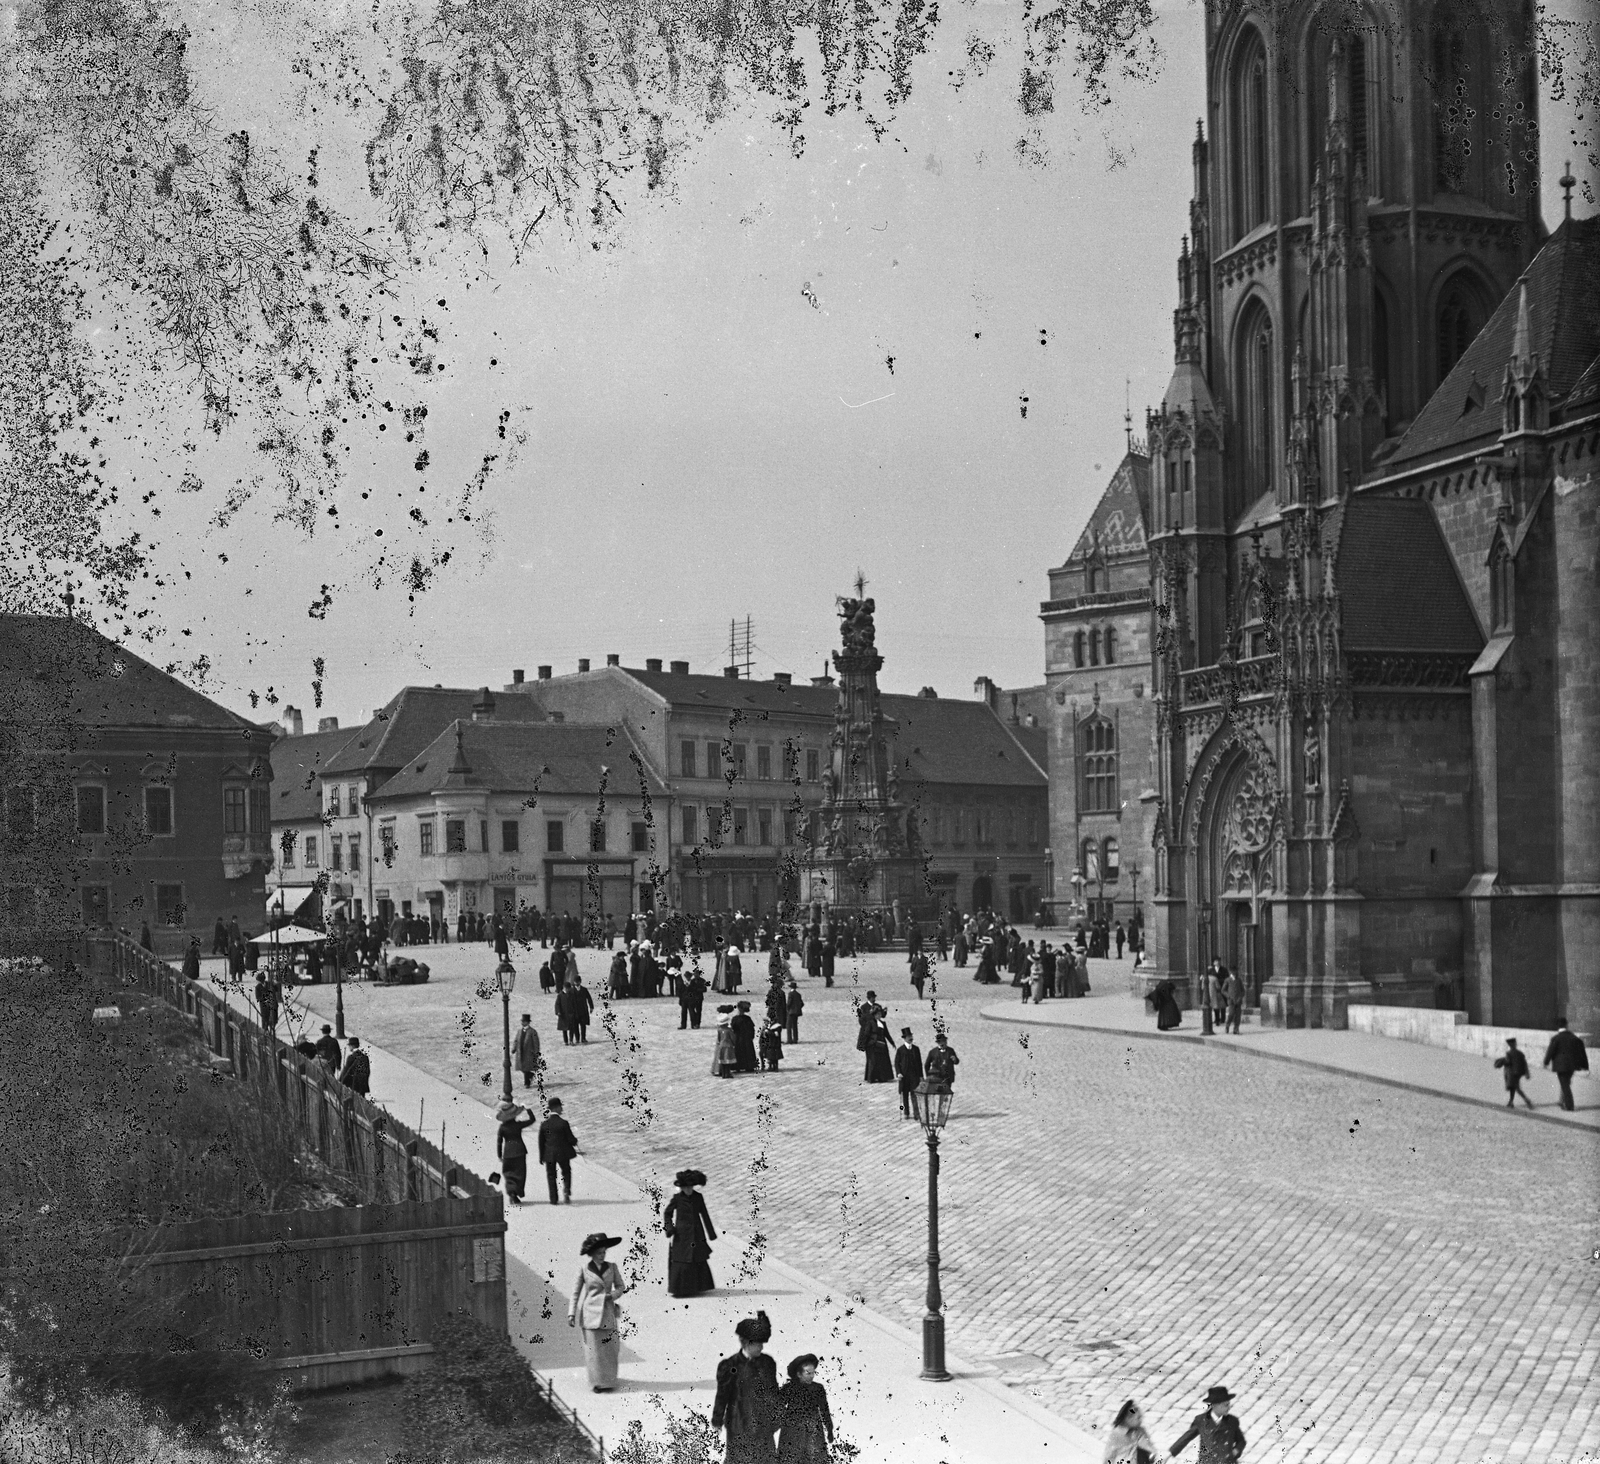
(594, 1310)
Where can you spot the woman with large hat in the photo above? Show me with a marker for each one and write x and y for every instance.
(688, 1223)
(807, 1424)
(510, 1149)
(726, 1057)
(594, 1309)
(747, 1403)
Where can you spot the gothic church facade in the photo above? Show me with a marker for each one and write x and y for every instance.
(1372, 533)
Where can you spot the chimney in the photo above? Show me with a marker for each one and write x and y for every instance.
(613, 659)
(1015, 717)
(653, 663)
(990, 693)
(293, 722)
(928, 694)
(583, 665)
(544, 673)
(822, 680)
(731, 672)
(680, 668)
(556, 716)
(324, 724)
(517, 678)
(483, 707)
(783, 678)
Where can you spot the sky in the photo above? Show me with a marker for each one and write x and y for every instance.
(909, 358)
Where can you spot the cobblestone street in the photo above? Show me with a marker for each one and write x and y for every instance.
(1378, 1274)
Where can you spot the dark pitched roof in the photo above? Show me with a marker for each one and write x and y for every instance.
(1564, 311)
(518, 757)
(1398, 586)
(692, 690)
(297, 764)
(1119, 522)
(959, 742)
(412, 719)
(56, 668)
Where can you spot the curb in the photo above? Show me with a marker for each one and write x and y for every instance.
(1200, 1040)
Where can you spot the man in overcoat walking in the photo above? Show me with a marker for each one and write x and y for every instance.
(525, 1048)
(1221, 1438)
(908, 1069)
(357, 1074)
(794, 1004)
(557, 1146)
(1565, 1056)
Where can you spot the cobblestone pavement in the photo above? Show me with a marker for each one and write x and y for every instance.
(1378, 1274)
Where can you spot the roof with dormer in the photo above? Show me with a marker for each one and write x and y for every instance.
(1119, 522)
(412, 719)
(1564, 331)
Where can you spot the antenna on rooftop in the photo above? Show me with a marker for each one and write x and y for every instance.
(740, 653)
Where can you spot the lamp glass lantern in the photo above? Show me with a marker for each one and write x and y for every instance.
(930, 1102)
(505, 977)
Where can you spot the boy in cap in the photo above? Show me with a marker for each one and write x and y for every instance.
(1221, 1438)
(1515, 1064)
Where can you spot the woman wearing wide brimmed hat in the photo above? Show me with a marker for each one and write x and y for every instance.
(747, 1403)
(807, 1424)
(510, 1149)
(594, 1310)
(725, 1058)
(688, 1222)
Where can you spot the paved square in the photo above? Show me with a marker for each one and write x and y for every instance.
(1378, 1274)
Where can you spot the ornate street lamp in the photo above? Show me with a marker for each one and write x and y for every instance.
(505, 977)
(931, 1104)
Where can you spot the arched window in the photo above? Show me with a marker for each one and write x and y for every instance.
(1094, 646)
(1110, 860)
(1091, 860)
(1458, 320)
(1111, 645)
(1250, 128)
(1097, 739)
(1077, 649)
(1256, 380)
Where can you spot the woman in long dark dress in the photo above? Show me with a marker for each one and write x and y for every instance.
(744, 1040)
(511, 1151)
(880, 1067)
(688, 1223)
(1162, 996)
(747, 1396)
(807, 1423)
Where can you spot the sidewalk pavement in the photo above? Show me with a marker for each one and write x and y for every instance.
(1412, 1065)
(670, 1348)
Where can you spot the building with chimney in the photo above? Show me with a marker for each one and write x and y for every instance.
(1371, 531)
(301, 848)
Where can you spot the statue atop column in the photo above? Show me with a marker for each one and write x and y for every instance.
(856, 630)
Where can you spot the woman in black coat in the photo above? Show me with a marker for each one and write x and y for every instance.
(744, 1040)
(688, 1224)
(1163, 997)
(511, 1151)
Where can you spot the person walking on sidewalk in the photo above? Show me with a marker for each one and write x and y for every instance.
(1164, 998)
(1565, 1056)
(1515, 1063)
(357, 1074)
(747, 1402)
(688, 1225)
(691, 1001)
(1221, 1438)
(328, 1049)
(793, 1005)
(942, 1062)
(1122, 939)
(525, 1048)
(557, 1146)
(725, 1059)
(511, 1150)
(594, 1309)
(1129, 1439)
(1035, 979)
(1233, 989)
(771, 1046)
(579, 1005)
(807, 1434)
(908, 1069)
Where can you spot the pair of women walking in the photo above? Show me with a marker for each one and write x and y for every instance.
(767, 1424)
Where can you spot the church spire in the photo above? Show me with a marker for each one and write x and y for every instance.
(1524, 403)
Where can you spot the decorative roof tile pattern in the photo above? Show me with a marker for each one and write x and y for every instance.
(1398, 586)
(1121, 518)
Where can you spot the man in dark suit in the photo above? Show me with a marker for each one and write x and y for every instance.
(1565, 1056)
(328, 1049)
(908, 1069)
(1221, 1438)
(794, 1004)
(557, 1145)
(691, 993)
(357, 1074)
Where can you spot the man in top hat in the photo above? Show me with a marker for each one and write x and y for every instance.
(793, 1005)
(1515, 1063)
(328, 1049)
(908, 1069)
(357, 1074)
(525, 1048)
(691, 997)
(1566, 1055)
(557, 1147)
(1221, 1438)
(747, 1402)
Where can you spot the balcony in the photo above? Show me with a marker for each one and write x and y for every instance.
(1252, 677)
(1100, 600)
(459, 868)
(242, 852)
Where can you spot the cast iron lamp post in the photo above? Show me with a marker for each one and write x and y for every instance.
(338, 993)
(505, 977)
(931, 1103)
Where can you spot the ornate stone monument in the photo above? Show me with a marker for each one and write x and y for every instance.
(867, 855)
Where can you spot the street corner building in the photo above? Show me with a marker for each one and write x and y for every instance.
(1344, 591)
(129, 798)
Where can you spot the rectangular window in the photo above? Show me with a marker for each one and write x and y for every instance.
(740, 751)
(386, 838)
(978, 827)
(788, 825)
(764, 762)
(555, 836)
(158, 810)
(234, 819)
(510, 836)
(958, 826)
(713, 759)
(641, 838)
(686, 760)
(741, 826)
(355, 853)
(91, 810)
(597, 836)
(714, 818)
(483, 834)
(791, 759)
(20, 821)
(260, 811)
(335, 852)
(169, 904)
(455, 836)
(333, 799)
(813, 828)
(425, 837)
(352, 798)
(286, 850)
(691, 825)
(311, 850)
(1011, 826)
(96, 905)
(764, 827)
(813, 765)
(938, 826)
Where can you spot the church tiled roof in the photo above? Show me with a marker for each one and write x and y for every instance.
(1398, 586)
(1119, 522)
(1564, 311)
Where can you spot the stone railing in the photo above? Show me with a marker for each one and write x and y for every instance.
(1101, 599)
(1251, 676)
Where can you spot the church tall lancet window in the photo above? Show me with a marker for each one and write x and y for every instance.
(1111, 645)
(1380, 346)
(1097, 740)
(1251, 123)
(1094, 646)
(1078, 658)
(1255, 378)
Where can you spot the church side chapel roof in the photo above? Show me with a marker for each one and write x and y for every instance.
(297, 764)
(1398, 586)
(1118, 524)
(1564, 312)
(55, 668)
(517, 757)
